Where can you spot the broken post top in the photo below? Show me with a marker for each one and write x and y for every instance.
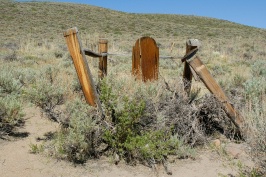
(103, 45)
(71, 31)
(103, 41)
(193, 43)
(192, 47)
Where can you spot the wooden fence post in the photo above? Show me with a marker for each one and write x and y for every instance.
(103, 48)
(83, 71)
(187, 74)
(215, 89)
(145, 59)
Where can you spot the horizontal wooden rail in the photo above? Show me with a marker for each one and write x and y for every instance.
(94, 54)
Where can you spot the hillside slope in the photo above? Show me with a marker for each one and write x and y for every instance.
(48, 20)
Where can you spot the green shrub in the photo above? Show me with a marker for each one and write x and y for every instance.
(79, 140)
(255, 88)
(255, 93)
(11, 114)
(47, 92)
(258, 68)
(125, 121)
(154, 145)
(135, 130)
(9, 81)
(46, 96)
(147, 123)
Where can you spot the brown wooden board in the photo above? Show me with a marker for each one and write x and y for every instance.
(215, 89)
(145, 59)
(136, 66)
(103, 47)
(81, 66)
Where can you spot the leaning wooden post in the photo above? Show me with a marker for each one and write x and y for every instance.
(187, 74)
(200, 69)
(103, 48)
(83, 71)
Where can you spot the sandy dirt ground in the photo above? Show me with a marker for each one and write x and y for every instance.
(17, 161)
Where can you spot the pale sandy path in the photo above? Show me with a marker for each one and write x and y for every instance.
(17, 161)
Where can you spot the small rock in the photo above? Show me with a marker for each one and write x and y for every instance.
(216, 143)
(234, 150)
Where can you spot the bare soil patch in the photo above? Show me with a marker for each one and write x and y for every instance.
(16, 159)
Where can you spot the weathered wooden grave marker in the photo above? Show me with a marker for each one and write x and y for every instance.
(83, 71)
(196, 65)
(145, 59)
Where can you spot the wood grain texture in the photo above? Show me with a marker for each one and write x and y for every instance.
(103, 48)
(145, 59)
(136, 66)
(81, 66)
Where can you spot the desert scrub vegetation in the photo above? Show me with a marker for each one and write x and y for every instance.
(11, 110)
(10, 81)
(255, 96)
(78, 141)
(143, 123)
(47, 92)
(146, 124)
(11, 114)
(249, 96)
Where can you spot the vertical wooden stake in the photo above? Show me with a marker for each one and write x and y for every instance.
(187, 74)
(103, 48)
